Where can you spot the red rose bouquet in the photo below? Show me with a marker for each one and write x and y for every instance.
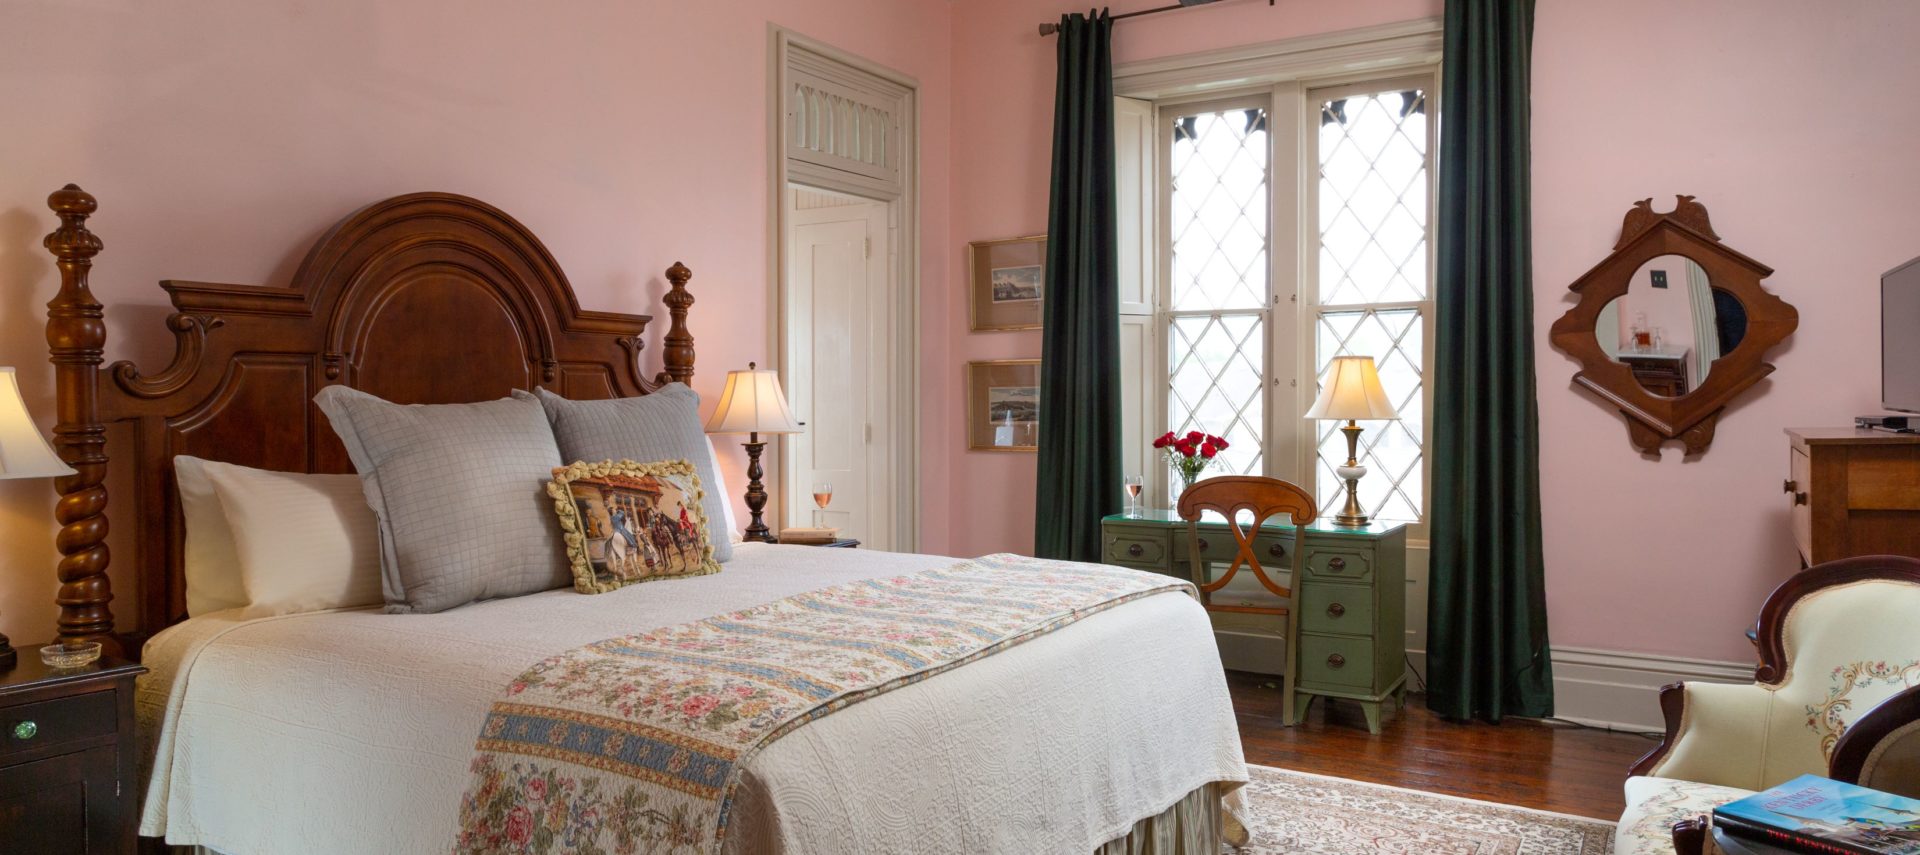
(1190, 454)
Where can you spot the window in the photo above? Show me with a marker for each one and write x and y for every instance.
(1371, 192)
(1294, 227)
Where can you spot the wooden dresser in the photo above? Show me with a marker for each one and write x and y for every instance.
(67, 758)
(1854, 492)
(1351, 598)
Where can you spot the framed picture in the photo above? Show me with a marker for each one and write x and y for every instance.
(1003, 405)
(1007, 277)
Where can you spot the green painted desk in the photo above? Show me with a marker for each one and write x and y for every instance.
(1351, 600)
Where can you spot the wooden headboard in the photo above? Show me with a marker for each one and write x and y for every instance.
(424, 298)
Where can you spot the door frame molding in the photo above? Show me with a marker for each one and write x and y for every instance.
(903, 199)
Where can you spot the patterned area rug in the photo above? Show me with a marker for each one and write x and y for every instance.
(1294, 813)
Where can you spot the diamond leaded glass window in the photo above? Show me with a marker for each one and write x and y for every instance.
(1217, 318)
(1371, 154)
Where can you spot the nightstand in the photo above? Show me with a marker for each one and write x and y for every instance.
(67, 757)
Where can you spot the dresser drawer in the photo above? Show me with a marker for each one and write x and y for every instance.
(1335, 661)
(1328, 607)
(1131, 547)
(61, 721)
(1339, 565)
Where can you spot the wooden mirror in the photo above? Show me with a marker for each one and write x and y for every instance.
(1672, 326)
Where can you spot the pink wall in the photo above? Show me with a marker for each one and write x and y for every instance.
(1788, 134)
(1788, 138)
(223, 137)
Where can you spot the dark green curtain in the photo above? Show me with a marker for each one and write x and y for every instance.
(1080, 454)
(1487, 613)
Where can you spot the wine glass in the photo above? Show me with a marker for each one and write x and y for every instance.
(1134, 485)
(822, 494)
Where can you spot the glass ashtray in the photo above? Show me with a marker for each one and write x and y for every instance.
(73, 655)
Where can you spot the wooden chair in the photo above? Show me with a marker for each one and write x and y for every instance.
(1265, 497)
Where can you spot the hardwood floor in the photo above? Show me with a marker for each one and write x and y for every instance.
(1529, 763)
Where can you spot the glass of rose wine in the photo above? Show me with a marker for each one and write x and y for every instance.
(822, 494)
(1134, 485)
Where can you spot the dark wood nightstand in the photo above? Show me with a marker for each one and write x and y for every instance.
(66, 757)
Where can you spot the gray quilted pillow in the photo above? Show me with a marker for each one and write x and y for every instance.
(662, 426)
(460, 493)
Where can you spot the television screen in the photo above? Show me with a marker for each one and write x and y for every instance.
(1900, 338)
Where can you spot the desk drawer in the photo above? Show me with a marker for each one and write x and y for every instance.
(51, 724)
(1329, 607)
(1336, 662)
(1339, 565)
(1144, 549)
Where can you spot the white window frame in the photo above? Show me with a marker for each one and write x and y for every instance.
(1288, 76)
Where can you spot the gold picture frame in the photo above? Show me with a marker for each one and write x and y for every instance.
(1003, 405)
(1005, 281)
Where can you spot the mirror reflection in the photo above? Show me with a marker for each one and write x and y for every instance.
(1671, 325)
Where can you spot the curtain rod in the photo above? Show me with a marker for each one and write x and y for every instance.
(1050, 28)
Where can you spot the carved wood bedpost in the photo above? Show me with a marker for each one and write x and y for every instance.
(76, 336)
(679, 351)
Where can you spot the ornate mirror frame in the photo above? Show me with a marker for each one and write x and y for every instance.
(1645, 235)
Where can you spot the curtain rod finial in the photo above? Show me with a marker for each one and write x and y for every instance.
(1049, 29)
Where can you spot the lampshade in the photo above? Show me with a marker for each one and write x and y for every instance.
(753, 403)
(1352, 391)
(24, 453)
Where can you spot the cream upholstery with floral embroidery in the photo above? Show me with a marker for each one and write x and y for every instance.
(1655, 804)
(1848, 647)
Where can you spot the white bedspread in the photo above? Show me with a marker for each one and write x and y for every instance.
(351, 732)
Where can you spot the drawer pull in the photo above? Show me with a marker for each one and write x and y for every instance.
(1800, 498)
(1136, 550)
(1336, 661)
(1277, 551)
(1203, 544)
(25, 730)
(1337, 564)
(1790, 486)
(1336, 610)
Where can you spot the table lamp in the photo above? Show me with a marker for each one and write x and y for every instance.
(1351, 390)
(753, 404)
(24, 453)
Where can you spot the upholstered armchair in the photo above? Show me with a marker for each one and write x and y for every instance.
(1835, 695)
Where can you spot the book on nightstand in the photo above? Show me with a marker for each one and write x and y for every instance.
(809, 536)
(1814, 814)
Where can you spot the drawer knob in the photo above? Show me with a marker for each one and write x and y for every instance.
(1276, 550)
(1800, 498)
(25, 730)
(1336, 661)
(1790, 486)
(1336, 610)
(1136, 550)
(1337, 564)
(1203, 543)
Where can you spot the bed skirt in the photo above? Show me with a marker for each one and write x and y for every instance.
(1195, 825)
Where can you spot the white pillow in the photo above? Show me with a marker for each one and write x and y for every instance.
(720, 487)
(303, 542)
(212, 566)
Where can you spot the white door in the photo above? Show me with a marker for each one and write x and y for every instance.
(839, 307)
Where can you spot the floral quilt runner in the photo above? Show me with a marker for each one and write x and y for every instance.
(635, 744)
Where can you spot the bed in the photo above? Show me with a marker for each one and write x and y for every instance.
(353, 730)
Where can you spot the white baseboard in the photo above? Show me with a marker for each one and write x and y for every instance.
(1620, 690)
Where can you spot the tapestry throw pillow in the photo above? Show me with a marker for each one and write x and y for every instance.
(457, 491)
(664, 425)
(627, 522)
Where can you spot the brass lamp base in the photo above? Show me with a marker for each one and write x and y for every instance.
(1352, 516)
